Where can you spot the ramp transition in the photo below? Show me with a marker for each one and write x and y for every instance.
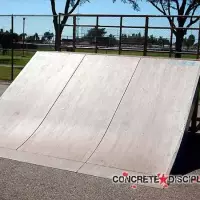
(25, 103)
(98, 114)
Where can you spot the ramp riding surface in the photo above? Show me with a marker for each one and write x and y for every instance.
(26, 102)
(111, 113)
(147, 129)
(80, 117)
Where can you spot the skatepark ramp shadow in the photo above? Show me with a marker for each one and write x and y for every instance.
(187, 159)
(101, 115)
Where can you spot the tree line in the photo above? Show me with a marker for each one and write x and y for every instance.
(93, 36)
(180, 24)
(7, 38)
(99, 36)
(185, 9)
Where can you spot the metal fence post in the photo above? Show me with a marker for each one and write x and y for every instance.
(120, 35)
(97, 26)
(74, 32)
(12, 49)
(198, 43)
(146, 35)
(59, 33)
(56, 33)
(24, 20)
(171, 39)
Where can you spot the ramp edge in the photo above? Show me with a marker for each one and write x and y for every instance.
(38, 159)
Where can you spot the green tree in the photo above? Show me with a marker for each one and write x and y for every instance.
(6, 40)
(188, 42)
(94, 34)
(152, 40)
(161, 41)
(30, 38)
(99, 36)
(36, 36)
(124, 36)
(70, 6)
(22, 35)
(48, 36)
(183, 8)
(112, 41)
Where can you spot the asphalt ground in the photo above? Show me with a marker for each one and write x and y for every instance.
(25, 181)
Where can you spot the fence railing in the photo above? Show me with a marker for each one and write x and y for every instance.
(146, 27)
(115, 41)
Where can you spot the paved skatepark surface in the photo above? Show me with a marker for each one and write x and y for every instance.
(33, 145)
(22, 181)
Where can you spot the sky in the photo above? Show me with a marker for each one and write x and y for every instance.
(43, 24)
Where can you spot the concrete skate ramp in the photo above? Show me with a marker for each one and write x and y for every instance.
(29, 98)
(146, 131)
(112, 113)
(80, 117)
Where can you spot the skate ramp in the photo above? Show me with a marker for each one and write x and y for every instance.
(114, 113)
(80, 117)
(146, 131)
(29, 98)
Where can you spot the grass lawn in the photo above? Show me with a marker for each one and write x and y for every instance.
(134, 53)
(19, 59)
(5, 73)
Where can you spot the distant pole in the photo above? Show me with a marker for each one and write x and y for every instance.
(12, 49)
(58, 35)
(96, 38)
(74, 32)
(24, 19)
(78, 19)
(171, 39)
(146, 36)
(120, 35)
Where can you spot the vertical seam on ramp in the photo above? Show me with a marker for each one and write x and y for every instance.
(53, 103)
(112, 116)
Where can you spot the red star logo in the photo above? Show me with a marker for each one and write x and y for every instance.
(163, 180)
